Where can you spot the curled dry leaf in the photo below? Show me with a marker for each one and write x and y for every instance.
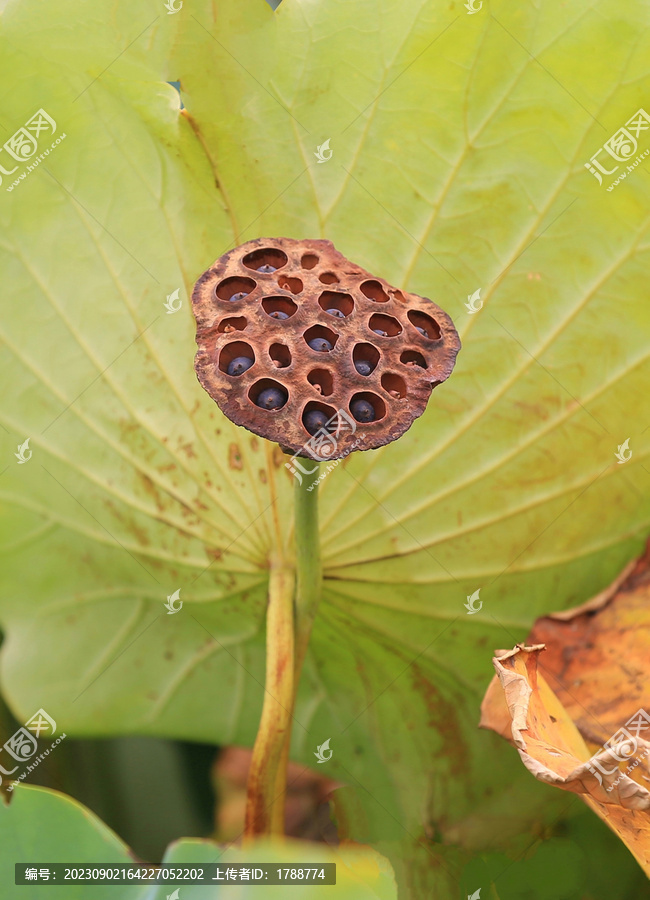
(573, 705)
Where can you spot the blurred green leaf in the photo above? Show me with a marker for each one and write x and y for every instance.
(43, 826)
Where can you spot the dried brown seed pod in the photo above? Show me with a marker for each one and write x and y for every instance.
(291, 332)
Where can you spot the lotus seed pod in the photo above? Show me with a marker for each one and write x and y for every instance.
(329, 342)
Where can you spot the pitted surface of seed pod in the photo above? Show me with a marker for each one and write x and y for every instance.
(287, 329)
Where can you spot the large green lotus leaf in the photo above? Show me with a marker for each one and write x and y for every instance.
(459, 144)
(44, 826)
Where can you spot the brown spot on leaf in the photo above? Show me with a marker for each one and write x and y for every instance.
(234, 457)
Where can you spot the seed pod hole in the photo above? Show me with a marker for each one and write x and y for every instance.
(265, 260)
(315, 416)
(365, 358)
(328, 278)
(332, 300)
(385, 326)
(279, 307)
(322, 380)
(394, 384)
(290, 284)
(235, 288)
(232, 323)
(424, 324)
(234, 350)
(309, 261)
(366, 407)
(318, 337)
(280, 355)
(413, 358)
(374, 291)
(268, 394)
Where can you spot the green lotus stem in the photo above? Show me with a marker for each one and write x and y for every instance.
(275, 723)
(289, 622)
(308, 592)
(309, 573)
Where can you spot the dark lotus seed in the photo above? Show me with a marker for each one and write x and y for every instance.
(421, 330)
(266, 270)
(239, 296)
(278, 314)
(320, 344)
(272, 398)
(362, 411)
(379, 331)
(239, 364)
(363, 367)
(314, 420)
(335, 312)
